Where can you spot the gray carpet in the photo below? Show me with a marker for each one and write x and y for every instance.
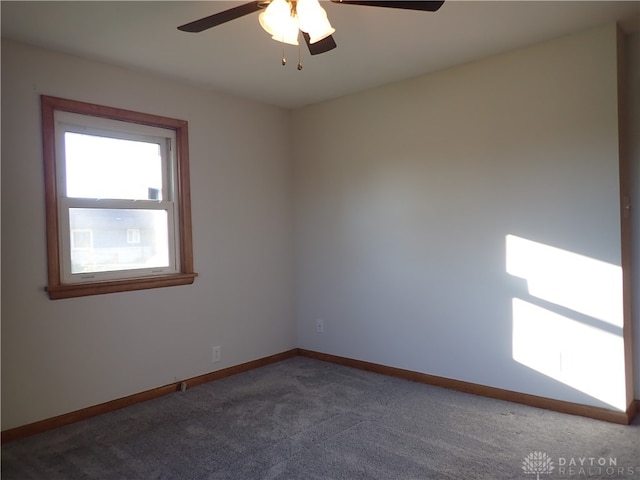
(305, 419)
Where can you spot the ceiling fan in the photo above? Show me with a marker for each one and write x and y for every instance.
(283, 19)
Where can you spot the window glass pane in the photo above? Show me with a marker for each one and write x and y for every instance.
(104, 240)
(104, 167)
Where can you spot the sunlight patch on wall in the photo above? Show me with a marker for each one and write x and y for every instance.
(570, 326)
(581, 356)
(586, 285)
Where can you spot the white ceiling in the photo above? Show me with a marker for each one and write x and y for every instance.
(376, 46)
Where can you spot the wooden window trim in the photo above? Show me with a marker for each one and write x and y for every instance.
(55, 288)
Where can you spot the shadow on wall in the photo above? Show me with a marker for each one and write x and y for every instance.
(568, 323)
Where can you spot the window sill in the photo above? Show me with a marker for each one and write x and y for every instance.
(127, 285)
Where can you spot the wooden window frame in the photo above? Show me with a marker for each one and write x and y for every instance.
(56, 289)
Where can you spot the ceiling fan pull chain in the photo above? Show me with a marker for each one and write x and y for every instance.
(299, 54)
(284, 59)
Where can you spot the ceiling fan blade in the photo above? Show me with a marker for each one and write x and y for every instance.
(220, 18)
(425, 6)
(320, 46)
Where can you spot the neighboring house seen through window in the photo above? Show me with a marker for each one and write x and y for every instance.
(118, 207)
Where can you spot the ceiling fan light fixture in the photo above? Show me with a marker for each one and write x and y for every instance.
(278, 22)
(312, 19)
(289, 37)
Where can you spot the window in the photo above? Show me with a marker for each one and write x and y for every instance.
(133, 235)
(81, 239)
(117, 199)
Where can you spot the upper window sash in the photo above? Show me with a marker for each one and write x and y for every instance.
(67, 122)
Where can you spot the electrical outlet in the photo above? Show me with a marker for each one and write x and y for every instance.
(216, 354)
(320, 325)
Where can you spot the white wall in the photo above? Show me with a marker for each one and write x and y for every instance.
(404, 196)
(60, 356)
(632, 45)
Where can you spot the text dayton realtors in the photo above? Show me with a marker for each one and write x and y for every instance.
(593, 466)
